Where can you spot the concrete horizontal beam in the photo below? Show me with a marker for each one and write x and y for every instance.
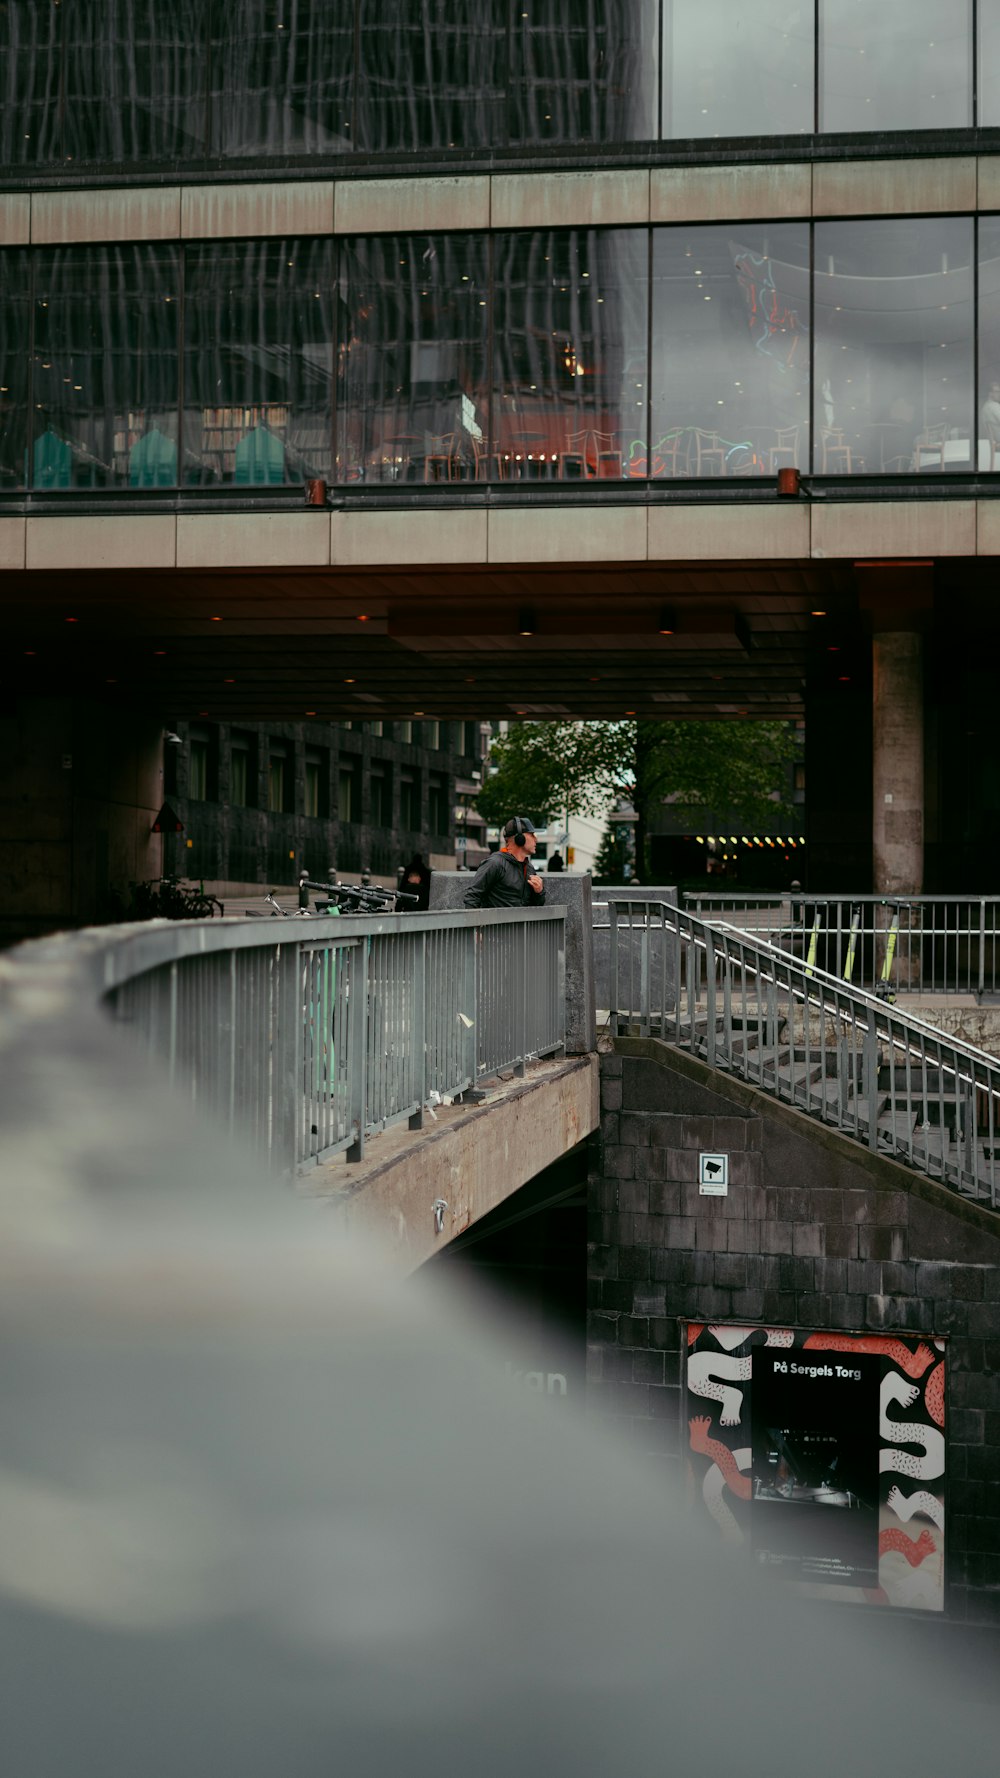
(473, 1158)
(618, 197)
(508, 536)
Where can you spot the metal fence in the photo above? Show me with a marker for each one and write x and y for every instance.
(309, 1037)
(847, 1057)
(935, 945)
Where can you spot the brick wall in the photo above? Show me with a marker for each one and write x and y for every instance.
(814, 1233)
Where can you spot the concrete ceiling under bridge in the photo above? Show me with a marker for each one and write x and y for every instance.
(442, 642)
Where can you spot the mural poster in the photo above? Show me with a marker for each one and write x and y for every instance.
(823, 1454)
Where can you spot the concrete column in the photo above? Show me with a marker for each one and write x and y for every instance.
(897, 761)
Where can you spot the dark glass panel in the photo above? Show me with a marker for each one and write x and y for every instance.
(900, 65)
(412, 376)
(15, 328)
(134, 80)
(105, 367)
(432, 74)
(730, 349)
(570, 355)
(989, 342)
(894, 351)
(282, 76)
(30, 82)
(735, 69)
(258, 361)
(584, 72)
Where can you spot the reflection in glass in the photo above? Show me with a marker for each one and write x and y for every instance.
(901, 65)
(432, 74)
(989, 343)
(894, 351)
(30, 69)
(585, 72)
(730, 368)
(105, 367)
(258, 361)
(282, 77)
(15, 332)
(570, 330)
(737, 69)
(412, 385)
(988, 43)
(133, 80)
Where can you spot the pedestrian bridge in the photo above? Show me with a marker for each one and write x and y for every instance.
(411, 1072)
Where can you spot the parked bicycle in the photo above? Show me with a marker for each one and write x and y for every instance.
(333, 898)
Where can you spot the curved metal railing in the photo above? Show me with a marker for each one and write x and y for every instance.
(850, 1058)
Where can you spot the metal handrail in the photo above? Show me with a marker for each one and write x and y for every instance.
(850, 1058)
(307, 1037)
(935, 944)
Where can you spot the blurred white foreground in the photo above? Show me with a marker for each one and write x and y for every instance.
(266, 1514)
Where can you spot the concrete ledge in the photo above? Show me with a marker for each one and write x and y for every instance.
(12, 544)
(473, 1157)
(383, 539)
(568, 534)
(15, 219)
(894, 188)
(146, 542)
(388, 206)
(894, 528)
(723, 194)
(209, 211)
(254, 540)
(147, 213)
(729, 533)
(614, 199)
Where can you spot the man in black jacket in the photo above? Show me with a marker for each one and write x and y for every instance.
(502, 880)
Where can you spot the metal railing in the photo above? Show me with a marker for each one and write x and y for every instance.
(309, 1037)
(936, 944)
(847, 1057)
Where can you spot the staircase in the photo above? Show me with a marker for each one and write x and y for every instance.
(852, 1060)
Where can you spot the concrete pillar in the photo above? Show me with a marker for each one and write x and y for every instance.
(897, 761)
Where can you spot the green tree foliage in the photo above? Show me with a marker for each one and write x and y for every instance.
(731, 769)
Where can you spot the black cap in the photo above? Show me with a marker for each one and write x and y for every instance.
(516, 826)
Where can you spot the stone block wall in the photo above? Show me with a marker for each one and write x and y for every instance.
(814, 1233)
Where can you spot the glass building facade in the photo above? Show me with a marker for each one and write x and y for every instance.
(136, 82)
(686, 352)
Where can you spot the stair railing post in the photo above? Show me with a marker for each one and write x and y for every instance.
(710, 992)
(870, 1081)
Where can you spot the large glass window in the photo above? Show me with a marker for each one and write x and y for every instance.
(258, 361)
(893, 308)
(282, 77)
(15, 332)
(30, 72)
(105, 367)
(432, 74)
(730, 371)
(570, 331)
(412, 386)
(989, 342)
(584, 72)
(901, 65)
(133, 80)
(737, 69)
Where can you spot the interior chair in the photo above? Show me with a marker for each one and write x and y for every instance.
(784, 452)
(928, 448)
(441, 459)
(835, 453)
(574, 464)
(51, 461)
(259, 458)
(607, 456)
(666, 455)
(709, 453)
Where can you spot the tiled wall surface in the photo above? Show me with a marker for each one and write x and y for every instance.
(813, 1233)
